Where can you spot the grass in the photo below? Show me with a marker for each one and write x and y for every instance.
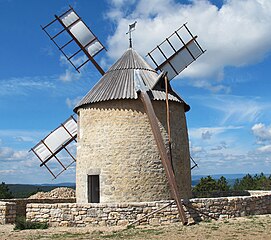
(247, 227)
(67, 235)
(60, 236)
(121, 234)
(22, 224)
(214, 227)
(130, 232)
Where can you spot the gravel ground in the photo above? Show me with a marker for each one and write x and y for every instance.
(62, 192)
(254, 227)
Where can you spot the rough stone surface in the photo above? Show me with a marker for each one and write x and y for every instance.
(7, 212)
(109, 214)
(20, 203)
(115, 141)
(62, 192)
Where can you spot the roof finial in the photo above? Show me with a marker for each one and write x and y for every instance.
(131, 29)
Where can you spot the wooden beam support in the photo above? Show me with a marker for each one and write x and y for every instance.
(163, 153)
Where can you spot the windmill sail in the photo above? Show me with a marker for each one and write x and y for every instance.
(49, 148)
(71, 31)
(176, 53)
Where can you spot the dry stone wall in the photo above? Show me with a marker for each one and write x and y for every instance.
(7, 212)
(19, 204)
(121, 214)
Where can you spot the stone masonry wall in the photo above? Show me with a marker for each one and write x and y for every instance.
(20, 203)
(115, 141)
(7, 212)
(121, 214)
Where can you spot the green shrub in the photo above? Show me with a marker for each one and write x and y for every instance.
(5, 192)
(21, 224)
(208, 184)
(257, 182)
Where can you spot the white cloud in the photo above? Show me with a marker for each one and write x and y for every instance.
(196, 150)
(69, 76)
(266, 148)
(24, 139)
(23, 166)
(197, 133)
(70, 73)
(236, 109)
(206, 135)
(23, 85)
(262, 132)
(7, 171)
(71, 103)
(22, 135)
(48, 50)
(9, 154)
(263, 137)
(221, 160)
(5, 152)
(237, 34)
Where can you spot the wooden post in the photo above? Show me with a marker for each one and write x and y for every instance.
(163, 153)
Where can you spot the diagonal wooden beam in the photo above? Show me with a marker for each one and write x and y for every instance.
(163, 153)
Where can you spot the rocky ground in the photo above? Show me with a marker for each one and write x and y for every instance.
(61, 192)
(254, 227)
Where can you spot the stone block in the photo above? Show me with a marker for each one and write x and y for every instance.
(154, 221)
(114, 215)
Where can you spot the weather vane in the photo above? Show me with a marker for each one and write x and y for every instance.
(131, 29)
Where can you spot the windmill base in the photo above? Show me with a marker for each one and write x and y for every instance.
(113, 214)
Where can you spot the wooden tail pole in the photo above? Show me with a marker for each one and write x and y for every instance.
(168, 121)
(163, 153)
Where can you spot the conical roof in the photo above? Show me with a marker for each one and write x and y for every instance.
(119, 82)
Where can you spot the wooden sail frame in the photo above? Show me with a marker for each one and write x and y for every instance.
(56, 141)
(80, 34)
(176, 52)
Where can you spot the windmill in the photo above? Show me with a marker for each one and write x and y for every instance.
(127, 143)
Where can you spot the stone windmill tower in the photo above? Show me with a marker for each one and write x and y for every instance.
(132, 141)
(117, 157)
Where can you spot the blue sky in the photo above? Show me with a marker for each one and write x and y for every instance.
(228, 88)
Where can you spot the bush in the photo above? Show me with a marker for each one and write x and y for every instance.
(257, 182)
(208, 184)
(4, 191)
(21, 224)
(209, 187)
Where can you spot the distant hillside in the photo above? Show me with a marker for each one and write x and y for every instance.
(26, 190)
(217, 176)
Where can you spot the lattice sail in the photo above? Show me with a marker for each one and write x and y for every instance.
(177, 52)
(50, 148)
(67, 31)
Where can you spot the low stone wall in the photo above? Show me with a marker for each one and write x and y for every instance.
(20, 203)
(230, 207)
(7, 212)
(121, 214)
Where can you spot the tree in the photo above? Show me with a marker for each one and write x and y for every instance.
(258, 182)
(246, 183)
(207, 184)
(209, 187)
(222, 184)
(262, 182)
(4, 192)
